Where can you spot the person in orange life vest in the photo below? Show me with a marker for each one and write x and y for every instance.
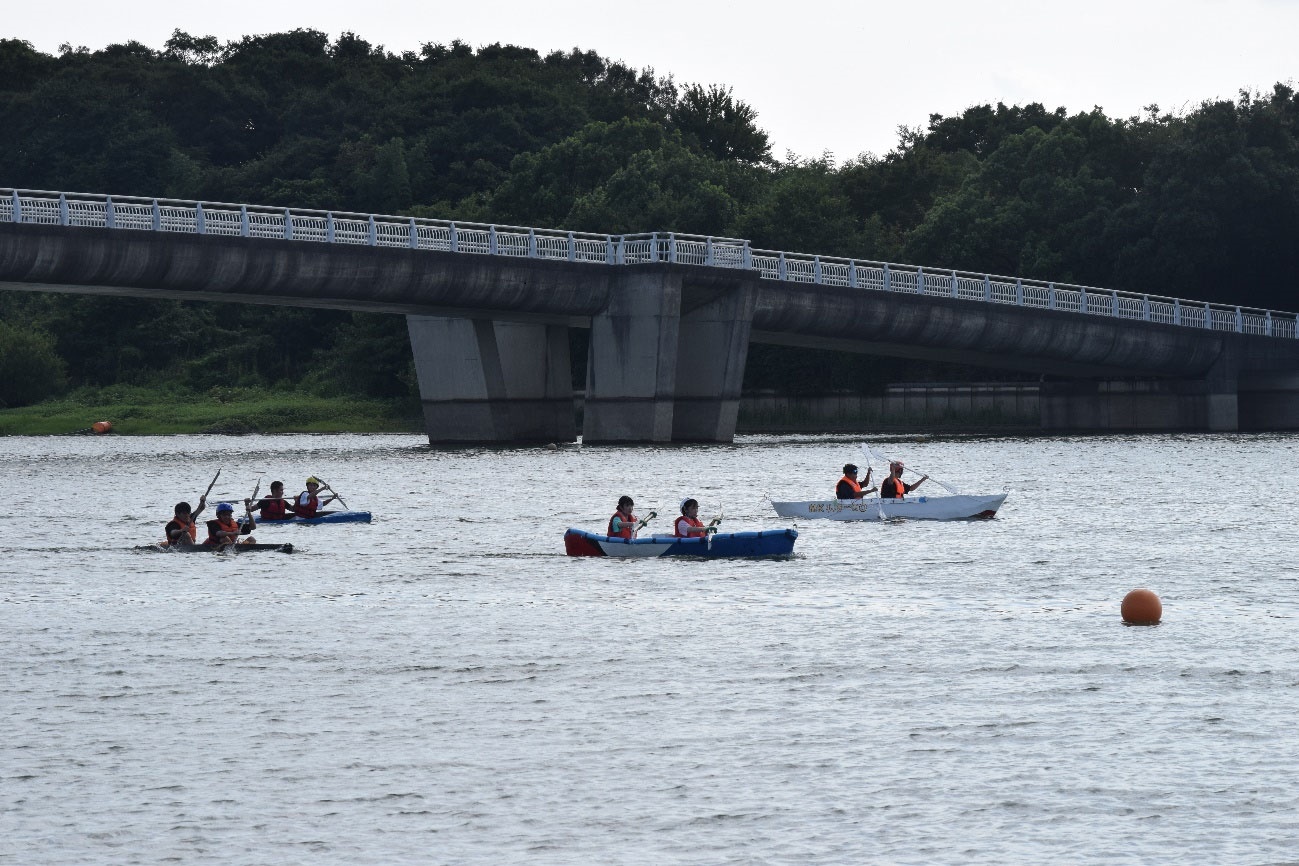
(623, 524)
(688, 525)
(848, 487)
(894, 487)
(273, 507)
(307, 504)
(226, 530)
(183, 527)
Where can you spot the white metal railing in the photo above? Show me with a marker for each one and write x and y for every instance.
(256, 221)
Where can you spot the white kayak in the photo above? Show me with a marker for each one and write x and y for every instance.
(958, 507)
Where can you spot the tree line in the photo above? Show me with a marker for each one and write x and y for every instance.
(1202, 204)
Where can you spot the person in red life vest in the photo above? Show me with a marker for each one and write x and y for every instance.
(623, 524)
(848, 486)
(226, 530)
(182, 529)
(894, 487)
(273, 507)
(688, 525)
(308, 504)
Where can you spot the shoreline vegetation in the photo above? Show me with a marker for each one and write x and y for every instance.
(146, 411)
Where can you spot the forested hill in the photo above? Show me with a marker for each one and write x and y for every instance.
(1201, 205)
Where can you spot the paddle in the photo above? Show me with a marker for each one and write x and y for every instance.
(879, 488)
(948, 487)
(248, 507)
(712, 524)
(644, 520)
(325, 484)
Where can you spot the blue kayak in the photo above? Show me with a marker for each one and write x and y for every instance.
(322, 517)
(771, 542)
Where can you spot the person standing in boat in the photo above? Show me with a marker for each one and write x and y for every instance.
(308, 504)
(894, 487)
(688, 525)
(226, 530)
(183, 528)
(273, 507)
(848, 486)
(623, 524)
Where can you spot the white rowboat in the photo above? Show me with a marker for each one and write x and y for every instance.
(960, 507)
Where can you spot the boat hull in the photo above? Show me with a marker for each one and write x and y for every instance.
(961, 507)
(326, 517)
(212, 548)
(721, 545)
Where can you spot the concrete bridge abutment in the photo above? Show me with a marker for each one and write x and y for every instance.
(484, 381)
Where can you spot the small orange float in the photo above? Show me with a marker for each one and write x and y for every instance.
(102, 426)
(1142, 607)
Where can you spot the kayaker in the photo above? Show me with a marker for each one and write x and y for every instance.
(307, 504)
(848, 486)
(226, 530)
(688, 525)
(623, 524)
(273, 507)
(894, 487)
(182, 529)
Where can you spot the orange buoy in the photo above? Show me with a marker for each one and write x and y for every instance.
(1142, 607)
(102, 426)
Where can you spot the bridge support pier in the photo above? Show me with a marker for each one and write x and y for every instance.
(484, 381)
(712, 348)
(1140, 406)
(632, 365)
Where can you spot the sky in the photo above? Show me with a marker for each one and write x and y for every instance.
(824, 76)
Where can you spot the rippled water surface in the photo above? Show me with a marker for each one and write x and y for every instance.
(445, 686)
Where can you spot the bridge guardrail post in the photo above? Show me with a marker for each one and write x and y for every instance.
(816, 269)
(1082, 300)
(654, 247)
(708, 252)
(888, 278)
(1177, 312)
(1208, 316)
(243, 220)
(620, 252)
(157, 216)
(572, 248)
(371, 233)
(452, 240)
(610, 250)
(852, 274)
(1240, 322)
(987, 288)
(63, 209)
(672, 248)
(329, 227)
(414, 234)
(1145, 307)
(1114, 304)
(955, 286)
(1050, 296)
(1267, 322)
(110, 218)
(288, 225)
(920, 280)
(18, 208)
(532, 243)
(781, 271)
(491, 240)
(1019, 292)
(748, 256)
(200, 224)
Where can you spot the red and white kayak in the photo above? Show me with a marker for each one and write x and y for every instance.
(958, 507)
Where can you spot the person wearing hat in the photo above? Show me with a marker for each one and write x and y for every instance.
(688, 525)
(848, 486)
(226, 530)
(308, 504)
(894, 487)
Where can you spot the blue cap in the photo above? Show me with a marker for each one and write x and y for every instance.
(224, 506)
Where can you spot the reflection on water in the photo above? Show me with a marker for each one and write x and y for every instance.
(444, 685)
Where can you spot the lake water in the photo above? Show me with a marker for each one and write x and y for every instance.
(445, 686)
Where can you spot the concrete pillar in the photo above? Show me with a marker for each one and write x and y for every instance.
(493, 382)
(1222, 401)
(1269, 401)
(631, 369)
(712, 347)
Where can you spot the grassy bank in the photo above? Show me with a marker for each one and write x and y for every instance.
(142, 411)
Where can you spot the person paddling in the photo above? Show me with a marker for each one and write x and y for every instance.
(226, 530)
(624, 524)
(273, 507)
(307, 504)
(688, 525)
(848, 486)
(894, 487)
(182, 529)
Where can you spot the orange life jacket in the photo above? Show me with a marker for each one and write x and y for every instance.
(856, 487)
(689, 521)
(627, 524)
(308, 509)
(898, 487)
(188, 525)
(231, 526)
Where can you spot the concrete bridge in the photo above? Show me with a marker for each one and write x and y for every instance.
(671, 316)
